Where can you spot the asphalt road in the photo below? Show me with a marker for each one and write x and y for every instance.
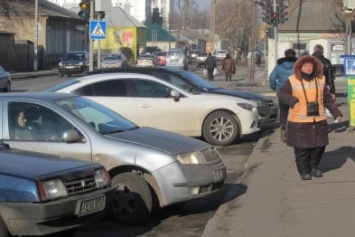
(188, 219)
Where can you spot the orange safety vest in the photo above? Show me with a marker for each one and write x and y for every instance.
(298, 113)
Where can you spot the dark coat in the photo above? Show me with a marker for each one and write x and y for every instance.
(307, 135)
(327, 71)
(228, 65)
(210, 62)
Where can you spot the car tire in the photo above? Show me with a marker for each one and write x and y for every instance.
(134, 202)
(220, 128)
(3, 230)
(7, 89)
(61, 74)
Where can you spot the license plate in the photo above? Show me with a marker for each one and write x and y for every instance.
(88, 206)
(70, 67)
(174, 61)
(219, 174)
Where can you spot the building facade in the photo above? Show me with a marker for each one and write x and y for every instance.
(134, 7)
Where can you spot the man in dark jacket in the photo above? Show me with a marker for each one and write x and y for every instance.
(211, 64)
(318, 52)
(277, 78)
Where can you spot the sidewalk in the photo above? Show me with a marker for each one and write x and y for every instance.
(277, 203)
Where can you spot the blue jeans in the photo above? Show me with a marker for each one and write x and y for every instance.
(283, 109)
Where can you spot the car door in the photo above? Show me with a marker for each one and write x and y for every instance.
(112, 94)
(156, 108)
(44, 141)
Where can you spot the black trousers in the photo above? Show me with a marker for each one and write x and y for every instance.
(308, 158)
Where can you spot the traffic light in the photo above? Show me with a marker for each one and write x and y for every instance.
(267, 7)
(84, 12)
(274, 19)
(283, 5)
(270, 33)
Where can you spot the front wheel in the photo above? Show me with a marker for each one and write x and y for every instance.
(134, 202)
(220, 128)
(8, 87)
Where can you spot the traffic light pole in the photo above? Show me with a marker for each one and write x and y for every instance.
(276, 32)
(91, 44)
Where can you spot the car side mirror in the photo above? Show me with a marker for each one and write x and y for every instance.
(176, 95)
(71, 135)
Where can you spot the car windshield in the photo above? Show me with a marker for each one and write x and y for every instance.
(74, 56)
(113, 57)
(98, 116)
(199, 82)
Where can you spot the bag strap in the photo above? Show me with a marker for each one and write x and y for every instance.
(304, 91)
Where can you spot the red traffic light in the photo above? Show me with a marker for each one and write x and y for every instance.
(274, 16)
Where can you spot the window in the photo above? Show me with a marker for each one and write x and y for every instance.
(111, 88)
(144, 88)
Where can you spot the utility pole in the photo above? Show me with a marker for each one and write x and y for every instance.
(210, 44)
(251, 68)
(91, 43)
(35, 59)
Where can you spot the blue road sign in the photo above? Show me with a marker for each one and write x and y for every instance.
(97, 29)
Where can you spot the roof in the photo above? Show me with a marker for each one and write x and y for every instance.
(161, 34)
(27, 8)
(312, 16)
(119, 17)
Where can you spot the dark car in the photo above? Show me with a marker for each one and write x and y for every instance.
(74, 62)
(189, 81)
(44, 194)
(5, 80)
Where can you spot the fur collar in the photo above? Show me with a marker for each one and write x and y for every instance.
(318, 66)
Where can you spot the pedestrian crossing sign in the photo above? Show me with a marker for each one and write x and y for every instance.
(97, 30)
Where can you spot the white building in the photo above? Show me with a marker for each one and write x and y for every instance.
(139, 9)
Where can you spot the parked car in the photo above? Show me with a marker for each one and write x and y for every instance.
(44, 194)
(193, 55)
(191, 82)
(145, 60)
(74, 62)
(220, 54)
(200, 59)
(5, 80)
(177, 58)
(149, 101)
(162, 58)
(148, 167)
(114, 60)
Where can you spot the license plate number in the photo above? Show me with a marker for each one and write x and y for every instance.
(174, 61)
(88, 206)
(219, 174)
(70, 67)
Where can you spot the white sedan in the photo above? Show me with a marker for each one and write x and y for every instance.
(149, 101)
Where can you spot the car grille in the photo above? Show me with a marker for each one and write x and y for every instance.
(210, 154)
(80, 185)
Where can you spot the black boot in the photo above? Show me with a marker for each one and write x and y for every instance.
(316, 173)
(306, 176)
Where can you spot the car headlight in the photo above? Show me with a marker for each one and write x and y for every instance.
(51, 189)
(246, 106)
(80, 63)
(60, 64)
(189, 158)
(102, 178)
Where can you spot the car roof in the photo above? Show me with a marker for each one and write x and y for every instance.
(135, 69)
(37, 95)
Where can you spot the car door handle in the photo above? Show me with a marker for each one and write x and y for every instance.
(146, 105)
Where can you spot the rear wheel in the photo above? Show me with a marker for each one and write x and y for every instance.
(3, 230)
(220, 128)
(8, 87)
(133, 203)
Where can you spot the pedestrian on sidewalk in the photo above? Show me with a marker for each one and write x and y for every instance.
(278, 76)
(258, 56)
(228, 66)
(318, 52)
(210, 64)
(307, 95)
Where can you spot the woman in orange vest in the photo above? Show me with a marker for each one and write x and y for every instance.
(307, 95)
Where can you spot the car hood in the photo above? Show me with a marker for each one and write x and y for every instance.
(162, 140)
(35, 164)
(72, 61)
(242, 94)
